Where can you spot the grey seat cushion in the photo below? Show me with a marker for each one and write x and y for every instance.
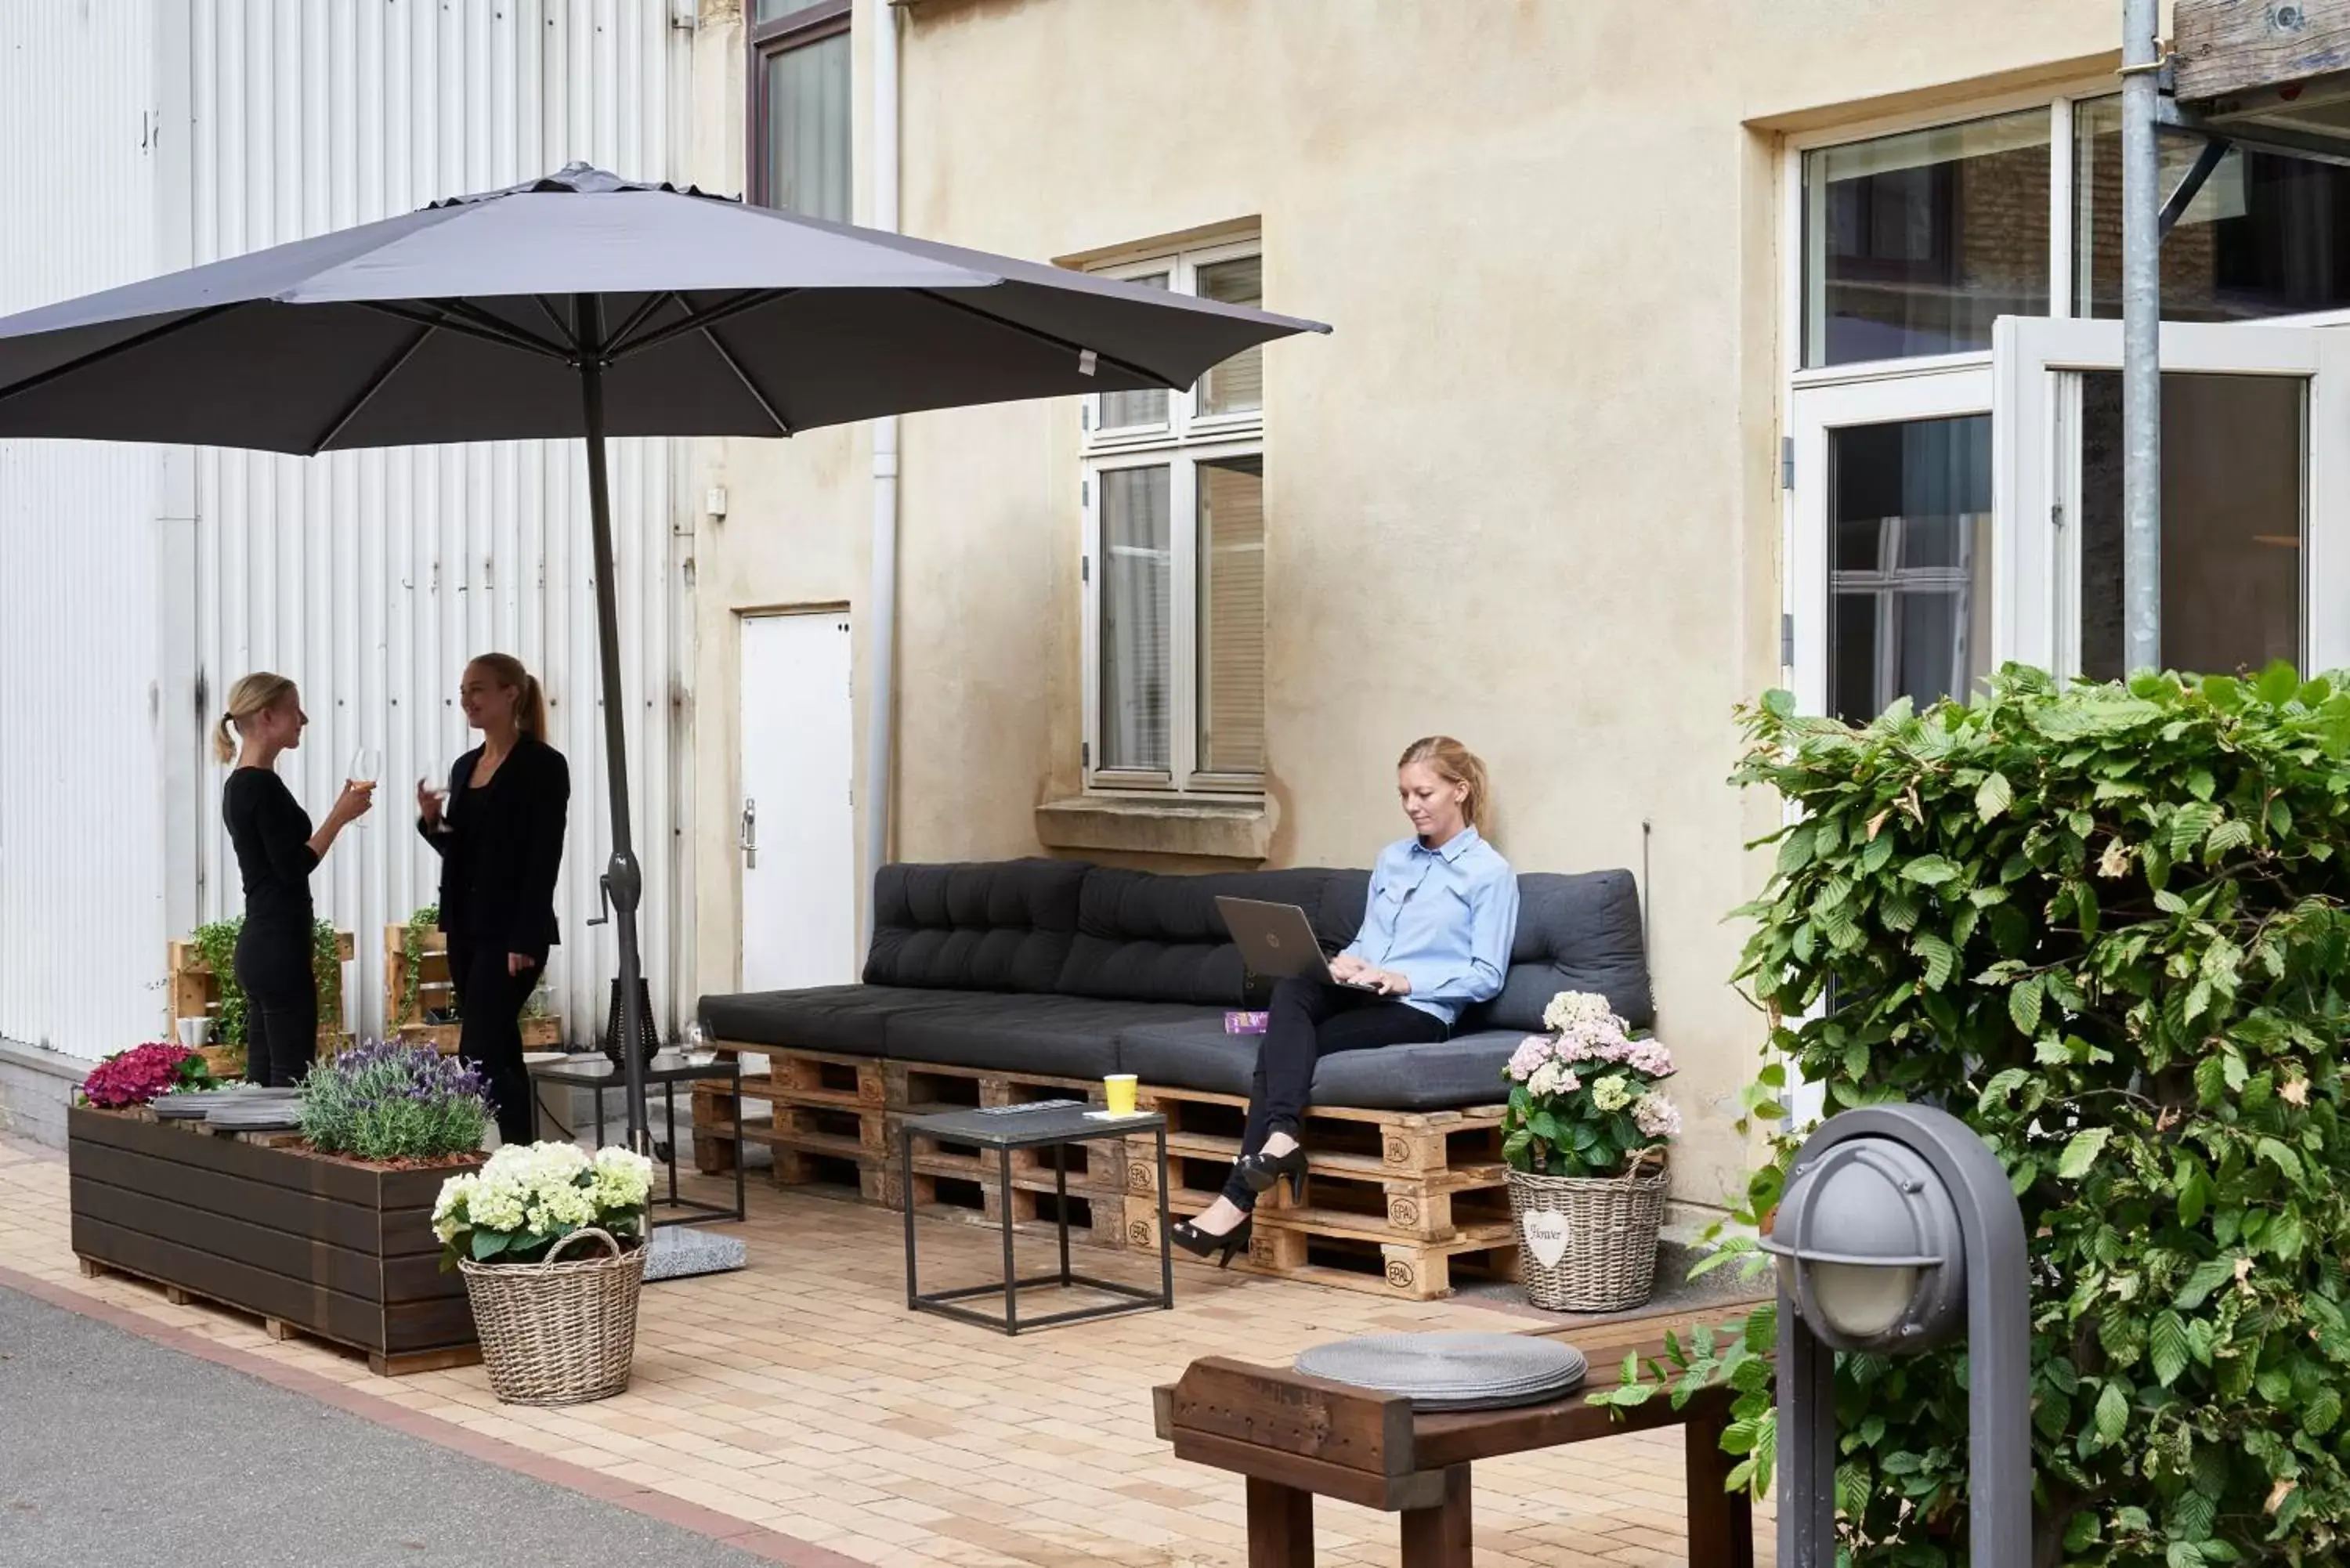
(1438, 1075)
(1575, 932)
(845, 1020)
(1000, 926)
(1147, 937)
(1053, 1036)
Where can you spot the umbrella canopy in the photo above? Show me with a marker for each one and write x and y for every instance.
(462, 322)
(585, 305)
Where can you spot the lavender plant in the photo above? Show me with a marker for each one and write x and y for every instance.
(389, 1100)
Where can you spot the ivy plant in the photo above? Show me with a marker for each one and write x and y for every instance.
(2105, 925)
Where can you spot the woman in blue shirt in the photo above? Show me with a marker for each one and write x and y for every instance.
(1435, 940)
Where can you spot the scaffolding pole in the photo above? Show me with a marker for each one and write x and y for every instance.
(2141, 339)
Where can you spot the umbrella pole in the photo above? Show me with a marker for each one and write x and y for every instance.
(623, 881)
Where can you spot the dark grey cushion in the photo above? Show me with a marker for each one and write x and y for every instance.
(1002, 926)
(1145, 937)
(1053, 1036)
(845, 1020)
(1575, 932)
(1439, 1076)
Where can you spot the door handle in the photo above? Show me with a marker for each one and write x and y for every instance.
(747, 836)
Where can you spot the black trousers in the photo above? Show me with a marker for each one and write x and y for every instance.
(489, 1007)
(1310, 1021)
(281, 1002)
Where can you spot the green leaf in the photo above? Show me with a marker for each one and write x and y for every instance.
(488, 1244)
(1795, 850)
(2210, 1082)
(2287, 1162)
(2279, 684)
(1941, 959)
(2168, 1349)
(2023, 1005)
(1930, 871)
(1995, 795)
(2208, 1276)
(2112, 1416)
(2082, 1153)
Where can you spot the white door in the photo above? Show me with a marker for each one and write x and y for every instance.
(795, 833)
(2255, 495)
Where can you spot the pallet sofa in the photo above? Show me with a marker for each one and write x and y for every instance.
(996, 982)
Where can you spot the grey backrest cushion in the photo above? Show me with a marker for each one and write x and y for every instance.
(1577, 931)
(1147, 937)
(1004, 925)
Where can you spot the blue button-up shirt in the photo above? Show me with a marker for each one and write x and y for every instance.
(1443, 920)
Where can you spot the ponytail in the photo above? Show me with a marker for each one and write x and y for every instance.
(530, 699)
(254, 693)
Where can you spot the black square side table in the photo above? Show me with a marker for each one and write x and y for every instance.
(597, 1073)
(1054, 1127)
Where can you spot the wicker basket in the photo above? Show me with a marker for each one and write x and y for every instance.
(1609, 1263)
(559, 1334)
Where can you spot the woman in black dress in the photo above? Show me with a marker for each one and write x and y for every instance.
(500, 840)
(276, 850)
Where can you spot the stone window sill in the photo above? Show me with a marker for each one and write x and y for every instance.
(1159, 824)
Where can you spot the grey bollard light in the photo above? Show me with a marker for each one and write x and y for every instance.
(1898, 1233)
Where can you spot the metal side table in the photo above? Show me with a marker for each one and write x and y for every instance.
(1013, 1127)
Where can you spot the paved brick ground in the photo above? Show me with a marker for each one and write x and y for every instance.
(797, 1404)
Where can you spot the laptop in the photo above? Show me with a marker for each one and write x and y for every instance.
(1277, 940)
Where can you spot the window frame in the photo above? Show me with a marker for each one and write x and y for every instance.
(1181, 442)
(813, 23)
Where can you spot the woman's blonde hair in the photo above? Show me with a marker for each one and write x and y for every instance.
(1454, 763)
(254, 693)
(530, 707)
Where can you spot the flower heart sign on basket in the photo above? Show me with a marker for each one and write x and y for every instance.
(1545, 1237)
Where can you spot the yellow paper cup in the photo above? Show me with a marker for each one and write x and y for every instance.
(1118, 1091)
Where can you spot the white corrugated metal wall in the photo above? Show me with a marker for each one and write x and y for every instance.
(82, 915)
(371, 577)
(138, 583)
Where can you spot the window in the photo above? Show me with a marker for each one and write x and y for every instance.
(1914, 244)
(1174, 561)
(2267, 235)
(1919, 557)
(799, 99)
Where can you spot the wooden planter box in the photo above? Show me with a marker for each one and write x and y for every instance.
(339, 1251)
(433, 991)
(194, 992)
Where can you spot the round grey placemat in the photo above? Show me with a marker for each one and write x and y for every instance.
(1452, 1371)
(186, 1107)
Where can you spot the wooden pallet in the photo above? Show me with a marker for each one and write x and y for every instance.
(396, 1364)
(434, 993)
(1294, 1248)
(1396, 1202)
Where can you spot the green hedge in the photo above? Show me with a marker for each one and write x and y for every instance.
(2107, 928)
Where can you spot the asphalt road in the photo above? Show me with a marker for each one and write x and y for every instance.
(116, 1452)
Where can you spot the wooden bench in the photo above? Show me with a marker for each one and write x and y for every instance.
(1295, 1438)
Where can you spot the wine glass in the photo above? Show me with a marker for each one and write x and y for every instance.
(366, 764)
(437, 786)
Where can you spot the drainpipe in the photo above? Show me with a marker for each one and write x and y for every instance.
(2141, 341)
(881, 618)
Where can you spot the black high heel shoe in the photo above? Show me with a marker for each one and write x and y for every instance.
(1199, 1243)
(1263, 1171)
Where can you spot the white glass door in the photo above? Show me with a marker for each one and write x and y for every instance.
(1891, 542)
(2255, 495)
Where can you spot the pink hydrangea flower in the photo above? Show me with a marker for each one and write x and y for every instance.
(1528, 1058)
(1656, 1117)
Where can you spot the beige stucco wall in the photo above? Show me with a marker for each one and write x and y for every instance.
(1525, 493)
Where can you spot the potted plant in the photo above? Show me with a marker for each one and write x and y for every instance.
(1585, 1136)
(555, 1330)
(331, 1235)
(144, 1073)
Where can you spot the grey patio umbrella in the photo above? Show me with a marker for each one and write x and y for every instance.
(585, 305)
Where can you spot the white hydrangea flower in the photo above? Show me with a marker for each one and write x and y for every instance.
(1545, 1080)
(1656, 1117)
(1611, 1093)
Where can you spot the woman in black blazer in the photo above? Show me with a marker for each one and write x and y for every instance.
(500, 840)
